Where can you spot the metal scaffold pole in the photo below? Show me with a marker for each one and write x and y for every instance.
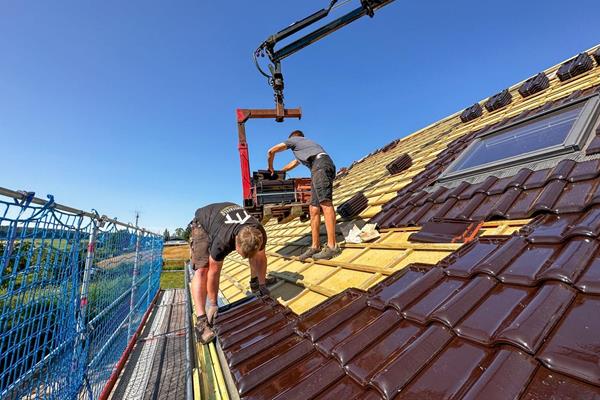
(135, 273)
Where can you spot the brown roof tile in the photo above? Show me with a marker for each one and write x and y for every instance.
(502, 311)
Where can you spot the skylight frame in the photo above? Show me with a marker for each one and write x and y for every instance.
(574, 141)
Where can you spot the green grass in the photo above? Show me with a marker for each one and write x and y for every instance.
(171, 280)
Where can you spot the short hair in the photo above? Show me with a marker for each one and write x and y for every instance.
(249, 240)
(296, 133)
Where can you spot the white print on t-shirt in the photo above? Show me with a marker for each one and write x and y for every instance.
(239, 220)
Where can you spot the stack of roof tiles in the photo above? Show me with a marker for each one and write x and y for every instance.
(502, 318)
(353, 207)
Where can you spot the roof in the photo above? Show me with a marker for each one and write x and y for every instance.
(304, 285)
(511, 314)
(493, 320)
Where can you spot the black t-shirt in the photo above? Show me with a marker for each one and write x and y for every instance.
(222, 222)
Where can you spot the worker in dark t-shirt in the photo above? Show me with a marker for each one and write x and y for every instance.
(322, 170)
(217, 230)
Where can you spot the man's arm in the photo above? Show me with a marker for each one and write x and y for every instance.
(291, 165)
(258, 264)
(271, 154)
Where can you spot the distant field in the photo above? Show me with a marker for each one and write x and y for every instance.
(171, 280)
(176, 252)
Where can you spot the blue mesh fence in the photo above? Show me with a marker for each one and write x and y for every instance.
(73, 291)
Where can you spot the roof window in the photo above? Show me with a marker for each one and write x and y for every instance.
(558, 131)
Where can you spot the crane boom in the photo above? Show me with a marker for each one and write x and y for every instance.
(275, 76)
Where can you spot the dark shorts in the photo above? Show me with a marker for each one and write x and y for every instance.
(200, 247)
(322, 175)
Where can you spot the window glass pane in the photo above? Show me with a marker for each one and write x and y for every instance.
(538, 134)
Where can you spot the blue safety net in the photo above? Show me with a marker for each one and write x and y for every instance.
(73, 291)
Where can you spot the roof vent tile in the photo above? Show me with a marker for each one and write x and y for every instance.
(469, 114)
(574, 67)
(534, 85)
(498, 101)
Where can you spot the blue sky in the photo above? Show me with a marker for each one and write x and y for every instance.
(130, 105)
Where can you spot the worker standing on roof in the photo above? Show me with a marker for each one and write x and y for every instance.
(217, 230)
(322, 171)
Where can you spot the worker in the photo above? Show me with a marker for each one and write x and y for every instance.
(217, 230)
(322, 171)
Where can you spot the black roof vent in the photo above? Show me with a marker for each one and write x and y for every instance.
(498, 101)
(534, 85)
(400, 164)
(354, 206)
(576, 66)
(596, 55)
(471, 113)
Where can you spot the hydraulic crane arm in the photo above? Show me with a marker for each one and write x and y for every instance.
(275, 76)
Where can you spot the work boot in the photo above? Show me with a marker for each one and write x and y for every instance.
(263, 290)
(328, 253)
(211, 314)
(310, 252)
(204, 333)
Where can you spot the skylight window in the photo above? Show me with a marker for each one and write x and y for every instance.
(555, 132)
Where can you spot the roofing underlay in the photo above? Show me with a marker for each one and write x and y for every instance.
(512, 314)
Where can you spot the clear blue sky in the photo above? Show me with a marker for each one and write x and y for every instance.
(129, 105)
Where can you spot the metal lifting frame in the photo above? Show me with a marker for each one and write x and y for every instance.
(243, 115)
(275, 77)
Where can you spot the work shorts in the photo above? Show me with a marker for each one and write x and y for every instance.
(199, 247)
(322, 174)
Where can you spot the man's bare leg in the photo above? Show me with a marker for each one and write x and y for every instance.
(199, 282)
(329, 214)
(315, 225)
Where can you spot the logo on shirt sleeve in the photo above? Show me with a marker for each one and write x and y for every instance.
(240, 218)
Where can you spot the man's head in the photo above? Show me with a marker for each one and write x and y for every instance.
(297, 133)
(248, 241)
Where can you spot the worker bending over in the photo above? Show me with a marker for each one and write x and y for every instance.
(217, 230)
(322, 171)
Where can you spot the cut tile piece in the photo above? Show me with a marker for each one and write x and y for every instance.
(573, 348)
